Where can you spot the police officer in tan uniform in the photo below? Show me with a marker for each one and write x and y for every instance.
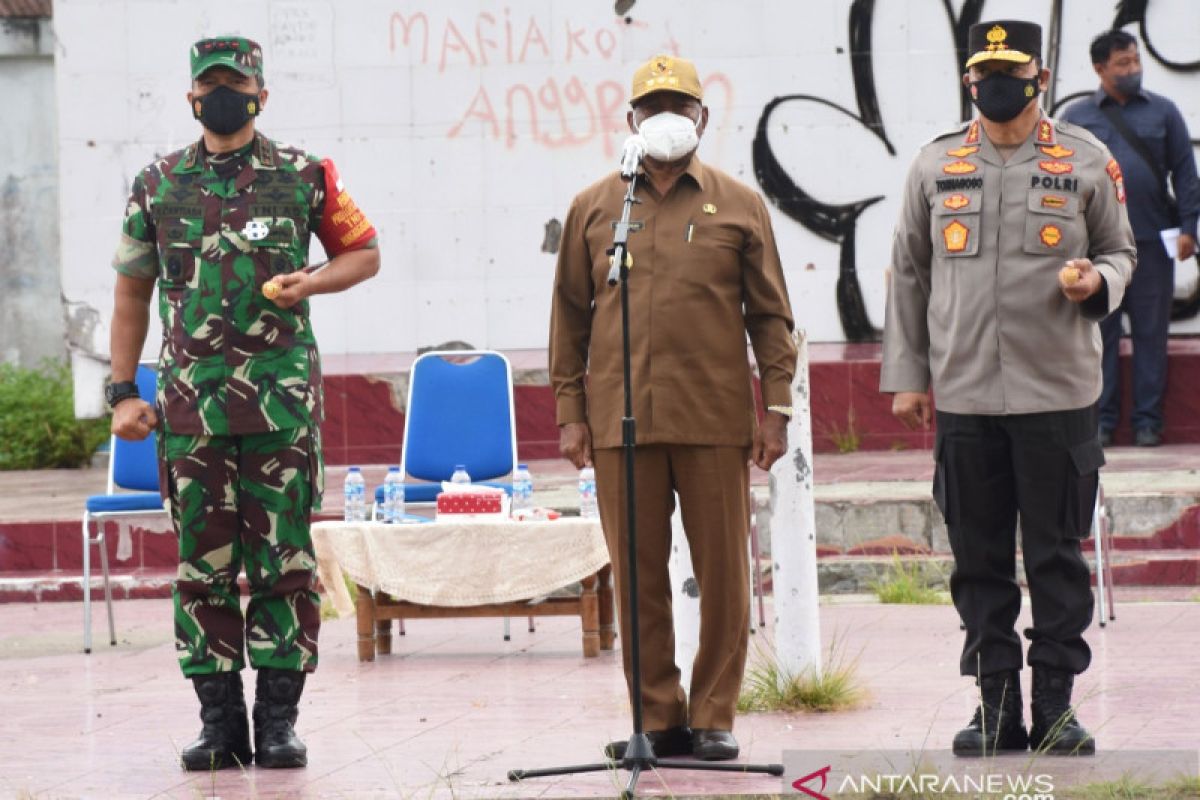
(1012, 244)
(705, 275)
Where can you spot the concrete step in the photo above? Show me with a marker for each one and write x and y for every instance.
(836, 574)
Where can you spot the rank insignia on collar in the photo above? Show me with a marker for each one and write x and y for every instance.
(1045, 132)
(1054, 201)
(972, 133)
(956, 235)
(956, 202)
(1050, 235)
(1056, 167)
(708, 208)
(962, 152)
(255, 231)
(959, 168)
(1058, 151)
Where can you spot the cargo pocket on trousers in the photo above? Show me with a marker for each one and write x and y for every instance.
(316, 466)
(943, 493)
(166, 485)
(1082, 484)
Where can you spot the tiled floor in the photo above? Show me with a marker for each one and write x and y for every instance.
(456, 707)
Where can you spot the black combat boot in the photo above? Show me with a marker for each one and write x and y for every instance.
(276, 696)
(997, 725)
(225, 738)
(1055, 729)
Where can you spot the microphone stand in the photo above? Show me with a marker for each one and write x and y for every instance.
(639, 753)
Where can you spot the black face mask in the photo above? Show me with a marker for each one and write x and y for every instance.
(225, 110)
(1001, 97)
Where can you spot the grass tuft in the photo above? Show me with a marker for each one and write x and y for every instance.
(909, 584)
(768, 686)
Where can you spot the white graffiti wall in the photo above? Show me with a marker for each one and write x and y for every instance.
(464, 127)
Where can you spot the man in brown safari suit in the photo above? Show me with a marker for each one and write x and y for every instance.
(705, 274)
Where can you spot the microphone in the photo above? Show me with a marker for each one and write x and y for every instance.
(631, 155)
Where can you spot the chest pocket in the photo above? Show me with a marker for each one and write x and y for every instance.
(956, 223)
(272, 242)
(712, 251)
(1053, 223)
(179, 245)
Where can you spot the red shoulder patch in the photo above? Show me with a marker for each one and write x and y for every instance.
(343, 226)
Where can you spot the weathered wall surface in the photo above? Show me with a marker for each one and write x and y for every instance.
(31, 315)
(465, 127)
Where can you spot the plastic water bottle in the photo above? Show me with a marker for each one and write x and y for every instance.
(460, 474)
(393, 496)
(355, 495)
(587, 494)
(522, 494)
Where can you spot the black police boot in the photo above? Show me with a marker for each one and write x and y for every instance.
(997, 725)
(276, 696)
(1055, 729)
(225, 738)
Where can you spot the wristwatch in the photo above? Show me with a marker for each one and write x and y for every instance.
(121, 390)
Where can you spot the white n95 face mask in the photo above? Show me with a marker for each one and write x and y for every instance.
(669, 136)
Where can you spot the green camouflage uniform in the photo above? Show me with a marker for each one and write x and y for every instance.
(239, 388)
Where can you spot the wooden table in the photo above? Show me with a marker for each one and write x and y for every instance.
(469, 568)
(375, 611)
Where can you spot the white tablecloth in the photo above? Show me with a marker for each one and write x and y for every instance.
(456, 564)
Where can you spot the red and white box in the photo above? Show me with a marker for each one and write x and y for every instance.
(473, 503)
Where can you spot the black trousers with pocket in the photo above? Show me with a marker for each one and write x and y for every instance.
(1041, 469)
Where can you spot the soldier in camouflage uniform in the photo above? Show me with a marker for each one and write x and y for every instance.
(223, 227)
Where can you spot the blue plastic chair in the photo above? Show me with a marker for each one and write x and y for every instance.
(459, 412)
(132, 466)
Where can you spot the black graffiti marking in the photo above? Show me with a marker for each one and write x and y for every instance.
(834, 223)
(861, 12)
(960, 26)
(1129, 11)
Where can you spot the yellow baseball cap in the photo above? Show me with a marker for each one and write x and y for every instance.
(665, 73)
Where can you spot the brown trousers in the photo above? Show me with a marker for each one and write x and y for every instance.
(713, 484)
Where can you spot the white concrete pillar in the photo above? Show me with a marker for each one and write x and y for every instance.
(685, 600)
(794, 536)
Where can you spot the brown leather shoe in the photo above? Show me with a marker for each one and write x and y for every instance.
(714, 745)
(675, 741)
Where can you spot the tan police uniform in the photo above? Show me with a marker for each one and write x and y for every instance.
(975, 311)
(705, 274)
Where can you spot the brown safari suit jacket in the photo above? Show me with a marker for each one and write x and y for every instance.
(705, 274)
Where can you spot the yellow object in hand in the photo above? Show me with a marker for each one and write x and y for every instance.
(1069, 276)
(271, 289)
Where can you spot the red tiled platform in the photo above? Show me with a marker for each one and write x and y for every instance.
(365, 397)
(454, 708)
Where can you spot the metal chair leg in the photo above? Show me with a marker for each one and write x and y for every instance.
(750, 578)
(112, 630)
(1102, 592)
(507, 631)
(532, 629)
(87, 585)
(755, 550)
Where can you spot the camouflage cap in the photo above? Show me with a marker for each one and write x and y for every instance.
(236, 52)
(665, 73)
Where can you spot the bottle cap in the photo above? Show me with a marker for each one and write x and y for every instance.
(460, 466)
(354, 469)
(522, 466)
(393, 469)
